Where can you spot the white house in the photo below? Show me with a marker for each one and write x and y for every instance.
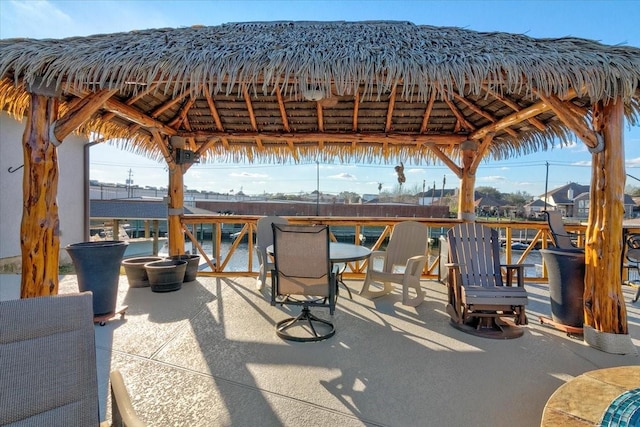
(71, 192)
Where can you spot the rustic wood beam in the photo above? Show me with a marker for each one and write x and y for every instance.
(182, 115)
(515, 107)
(483, 148)
(162, 145)
(394, 138)
(247, 101)
(517, 117)
(447, 161)
(283, 110)
(134, 99)
(137, 117)
(80, 113)
(463, 121)
(392, 102)
(466, 199)
(604, 301)
(576, 123)
(481, 112)
(40, 226)
(320, 115)
(214, 111)
(356, 108)
(170, 103)
(175, 210)
(427, 112)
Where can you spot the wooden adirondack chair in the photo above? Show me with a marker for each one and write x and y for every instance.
(478, 297)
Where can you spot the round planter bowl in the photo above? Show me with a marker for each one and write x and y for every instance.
(192, 265)
(136, 272)
(166, 275)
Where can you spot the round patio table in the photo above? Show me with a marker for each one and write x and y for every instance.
(607, 397)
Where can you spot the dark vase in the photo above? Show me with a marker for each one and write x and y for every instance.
(166, 275)
(97, 266)
(566, 268)
(136, 272)
(192, 266)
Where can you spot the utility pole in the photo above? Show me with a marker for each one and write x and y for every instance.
(546, 185)
(444, 181)
(129, 183)
(424, 183)
(317, 188)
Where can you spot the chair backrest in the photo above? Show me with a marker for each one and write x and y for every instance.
(302, 264)
(476, 249)
(264, 232)
(561, 239)
(48, 361)
(408, 239)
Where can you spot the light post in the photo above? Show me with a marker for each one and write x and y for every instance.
(317, 188)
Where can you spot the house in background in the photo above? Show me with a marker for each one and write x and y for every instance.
(572, 200)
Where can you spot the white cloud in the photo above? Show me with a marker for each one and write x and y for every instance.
(493, 178)
(631, 163)
(343, 176)
(248, 175)
(582, 163)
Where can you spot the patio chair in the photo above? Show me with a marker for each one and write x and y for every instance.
(264, 238)
(303, 276)
(48, 365)
(561, 238)
(478, 297)
(632, 255)
(402, 263)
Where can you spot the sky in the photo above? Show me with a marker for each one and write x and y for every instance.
(613, 22)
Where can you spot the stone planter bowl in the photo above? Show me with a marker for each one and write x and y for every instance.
(136, 272)
(166, 275)
(192, 265)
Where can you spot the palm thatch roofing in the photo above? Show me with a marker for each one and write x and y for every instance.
(347, 91)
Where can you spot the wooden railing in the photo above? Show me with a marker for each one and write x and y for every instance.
(216, 228)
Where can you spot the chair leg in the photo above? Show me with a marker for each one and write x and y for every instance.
(305, 315)
(415, 284)
(367, 293)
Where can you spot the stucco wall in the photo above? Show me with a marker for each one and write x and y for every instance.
(70, 190)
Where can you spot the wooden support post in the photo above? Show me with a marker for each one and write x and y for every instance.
(605, 309)
(176, 210)
(40, 227)
(466, 202)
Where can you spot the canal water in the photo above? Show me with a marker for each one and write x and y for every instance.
(240, 258)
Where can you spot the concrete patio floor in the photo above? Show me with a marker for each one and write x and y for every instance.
(208, 355)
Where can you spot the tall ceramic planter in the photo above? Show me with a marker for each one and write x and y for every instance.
(97, 265)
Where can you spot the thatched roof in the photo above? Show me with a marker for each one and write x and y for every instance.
(353, 91)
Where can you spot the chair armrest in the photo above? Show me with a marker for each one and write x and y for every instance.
(123, 413)
(376, 255)
(519, 269)
(414, 263)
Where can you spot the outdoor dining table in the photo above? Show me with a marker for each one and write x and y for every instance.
(341, 252)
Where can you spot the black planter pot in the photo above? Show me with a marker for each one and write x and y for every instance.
(166, 275)
(97, 265)
(193, 261)
(566, 285)
(136, 272)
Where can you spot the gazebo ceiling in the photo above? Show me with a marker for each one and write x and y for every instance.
(349, 91)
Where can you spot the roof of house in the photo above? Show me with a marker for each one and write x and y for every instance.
(131, 209)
